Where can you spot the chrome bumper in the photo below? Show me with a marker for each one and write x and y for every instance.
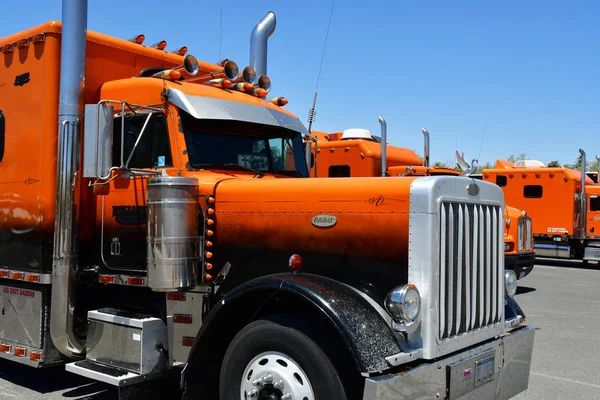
(498, 369)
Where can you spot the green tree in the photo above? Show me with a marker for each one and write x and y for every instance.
(554, 163)
(521, 156)
(481, 167)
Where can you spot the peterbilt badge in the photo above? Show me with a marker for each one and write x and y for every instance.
(324, 220)
(473, 189)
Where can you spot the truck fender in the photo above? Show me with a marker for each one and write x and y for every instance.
(361, 327)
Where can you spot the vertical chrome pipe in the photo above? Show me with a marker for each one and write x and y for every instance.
(426, 147)
(383, 146)
(258, 43)
(583, 199)
(70, 110)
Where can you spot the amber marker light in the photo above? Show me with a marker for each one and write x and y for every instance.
(181, 51)
(139, 39)
(295, 263)
(278, 101)
(160, 45)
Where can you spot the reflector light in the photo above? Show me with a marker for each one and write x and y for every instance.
(260, 92)
(17, 275)
(170, 74)
(106, 279)
(22, 43)
(4, 348)
(160, 45)
(295, 262)
(35, 356)
(20, 351)
(139, 39)
(222, 83)
(278, 101)
(182, 318)
(3, 273)
(187, 341)
(176, 296)
(40, 37)
(32, 278)
(135, 281)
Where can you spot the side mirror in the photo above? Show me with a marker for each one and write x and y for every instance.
(98, 140)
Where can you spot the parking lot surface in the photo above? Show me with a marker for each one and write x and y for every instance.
(560, 298)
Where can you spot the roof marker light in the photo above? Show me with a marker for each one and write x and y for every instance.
(40, 37)
(181, 51)
(22, 43)
(160, 45)
(278, 101)
(139, 39)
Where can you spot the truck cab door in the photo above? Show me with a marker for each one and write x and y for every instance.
(122, 212)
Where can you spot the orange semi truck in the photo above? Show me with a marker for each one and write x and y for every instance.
(152, 225)
(358, 153)
(565, 209)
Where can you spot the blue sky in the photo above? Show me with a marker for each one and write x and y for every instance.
(528, 71)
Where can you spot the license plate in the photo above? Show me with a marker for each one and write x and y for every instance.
(484, 370)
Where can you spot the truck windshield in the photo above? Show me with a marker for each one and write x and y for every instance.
(235, 144)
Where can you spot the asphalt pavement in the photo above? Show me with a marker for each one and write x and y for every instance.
(560, 298)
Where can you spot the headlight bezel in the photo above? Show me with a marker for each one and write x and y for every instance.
(395, 304)
(510, 279)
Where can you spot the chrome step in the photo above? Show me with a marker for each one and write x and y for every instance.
(107, 374)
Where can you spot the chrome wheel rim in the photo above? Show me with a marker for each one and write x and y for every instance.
(275, 376)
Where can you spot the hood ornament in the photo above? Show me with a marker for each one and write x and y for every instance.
(467, 169)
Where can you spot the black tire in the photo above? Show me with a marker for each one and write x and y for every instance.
(265, 335)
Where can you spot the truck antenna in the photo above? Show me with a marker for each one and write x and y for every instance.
(481, 145)
(312, 112)
(220, 32)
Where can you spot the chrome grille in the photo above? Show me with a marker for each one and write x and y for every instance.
(528, 234)
(521, 234)
(471, 259)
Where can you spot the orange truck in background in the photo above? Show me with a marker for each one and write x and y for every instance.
(358, 153)
(158, 220)
(565, 209)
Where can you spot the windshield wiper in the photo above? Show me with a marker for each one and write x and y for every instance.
(232, 166)
(289, 172)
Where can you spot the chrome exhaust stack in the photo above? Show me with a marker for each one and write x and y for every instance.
(582, 197)
(258, 43)
(70, 112)
(383, 146)
(426, 147)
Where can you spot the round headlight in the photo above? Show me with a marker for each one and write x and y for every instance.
(404, 303)
(510, 282)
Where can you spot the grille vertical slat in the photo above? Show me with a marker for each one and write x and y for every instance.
(500, 274)
(470, 278)
(481, 264)
(468, 305)
(494, 235)
(488, 258)
(459, 268)
(450, 279)
(475, 266)
(443, 266)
